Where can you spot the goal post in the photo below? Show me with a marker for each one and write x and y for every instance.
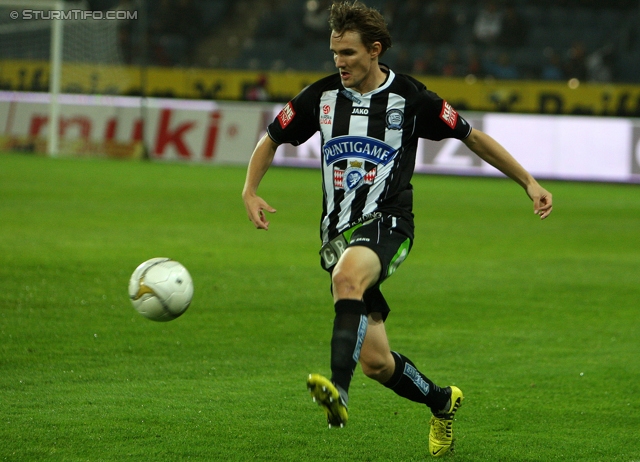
(54, 81)
(55, 61)
(63, 48)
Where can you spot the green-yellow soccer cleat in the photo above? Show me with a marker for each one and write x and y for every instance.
(441, 434)
(325, 393)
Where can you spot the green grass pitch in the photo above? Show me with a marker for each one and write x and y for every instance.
(537, 322)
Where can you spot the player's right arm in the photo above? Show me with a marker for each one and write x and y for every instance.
(258, 165)
(295, 124)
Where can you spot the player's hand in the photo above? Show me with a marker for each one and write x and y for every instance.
(542, 200)
(256, 206)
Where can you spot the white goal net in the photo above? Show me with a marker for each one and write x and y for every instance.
(60, 48)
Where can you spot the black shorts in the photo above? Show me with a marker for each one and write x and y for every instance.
(389, 237)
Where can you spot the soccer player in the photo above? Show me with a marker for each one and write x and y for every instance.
(370, 120)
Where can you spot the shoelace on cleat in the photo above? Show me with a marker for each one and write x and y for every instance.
(442, 427)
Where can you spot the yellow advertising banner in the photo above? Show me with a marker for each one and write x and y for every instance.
(468, 94)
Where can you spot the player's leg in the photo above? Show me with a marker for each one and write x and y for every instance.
(396, 371)
(374, 252)
(399, 374)
(357, 270)
(376, 359)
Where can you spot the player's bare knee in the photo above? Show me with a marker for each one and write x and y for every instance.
(345, 285)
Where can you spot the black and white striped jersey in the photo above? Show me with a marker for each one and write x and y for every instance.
(369, 144)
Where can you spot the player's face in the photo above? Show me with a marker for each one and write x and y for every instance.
(354, 61)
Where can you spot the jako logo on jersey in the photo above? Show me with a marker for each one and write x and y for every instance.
(349, 147)
(286, 115)
(449, 115)
(364, 111)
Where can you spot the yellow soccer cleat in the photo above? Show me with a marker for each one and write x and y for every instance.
(325, 393)
(441, 434)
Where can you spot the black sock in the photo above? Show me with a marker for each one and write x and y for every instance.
(349, 329)
(408, 382)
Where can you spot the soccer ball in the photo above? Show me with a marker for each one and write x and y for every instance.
(161, 289)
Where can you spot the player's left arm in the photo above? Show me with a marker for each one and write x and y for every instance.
(496, 155)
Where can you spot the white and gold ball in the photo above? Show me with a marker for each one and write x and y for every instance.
(161, 289)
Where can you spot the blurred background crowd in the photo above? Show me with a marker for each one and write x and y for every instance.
(589, 40)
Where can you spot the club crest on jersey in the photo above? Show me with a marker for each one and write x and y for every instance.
(358, 147)
(353, 176)
(394, 119)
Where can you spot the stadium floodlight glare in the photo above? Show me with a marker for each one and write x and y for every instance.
(55, 57)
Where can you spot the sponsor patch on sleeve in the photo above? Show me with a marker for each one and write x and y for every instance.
(449, 115)
(286, 115)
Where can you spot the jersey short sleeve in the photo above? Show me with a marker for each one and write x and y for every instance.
(298, 119)
(436, 119)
